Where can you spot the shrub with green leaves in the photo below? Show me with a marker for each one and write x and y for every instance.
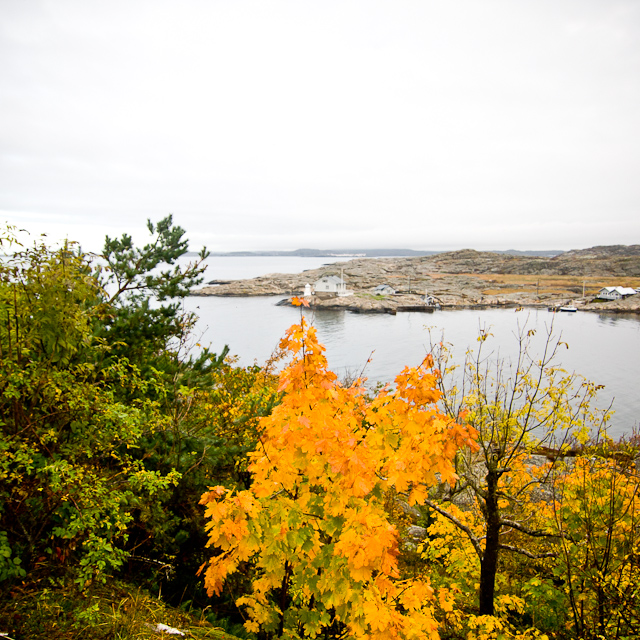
(70, 481)
(109, 429)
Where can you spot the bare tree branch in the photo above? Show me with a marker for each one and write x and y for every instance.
(537, 533)
(524, 552)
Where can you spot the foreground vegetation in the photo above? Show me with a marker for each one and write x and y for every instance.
(144, 485)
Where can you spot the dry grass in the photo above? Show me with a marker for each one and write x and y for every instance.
(560, 285)
(504, 283)
(114, 612)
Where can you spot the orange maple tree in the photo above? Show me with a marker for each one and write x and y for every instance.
(313, 527)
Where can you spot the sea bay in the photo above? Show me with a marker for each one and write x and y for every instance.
(603, 348)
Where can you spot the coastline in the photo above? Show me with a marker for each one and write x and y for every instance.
(460, 280)
(366, 302)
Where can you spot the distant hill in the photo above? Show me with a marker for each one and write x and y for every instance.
(533, 253)
(365, 253)
(606, 251)
(616, 260)
(330, 253)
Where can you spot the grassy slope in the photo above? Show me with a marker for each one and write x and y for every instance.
(115, 611)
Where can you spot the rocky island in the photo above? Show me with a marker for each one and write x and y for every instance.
(465, 278)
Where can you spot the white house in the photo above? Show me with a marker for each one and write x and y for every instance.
(329, 286)
(615, 293)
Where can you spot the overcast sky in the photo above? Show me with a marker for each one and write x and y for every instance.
(270, 124)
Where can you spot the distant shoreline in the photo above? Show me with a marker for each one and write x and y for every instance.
(362, 253)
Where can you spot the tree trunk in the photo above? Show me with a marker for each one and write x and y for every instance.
(489, 564)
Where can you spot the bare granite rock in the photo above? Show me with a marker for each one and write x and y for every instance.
(628, 305)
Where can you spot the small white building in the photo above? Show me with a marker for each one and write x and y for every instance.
(384, 290)
(329, 286)
(615, 293)
(430, 300)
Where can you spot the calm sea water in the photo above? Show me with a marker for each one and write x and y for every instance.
(603, 348)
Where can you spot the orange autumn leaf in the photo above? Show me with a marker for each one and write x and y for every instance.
(314, 520)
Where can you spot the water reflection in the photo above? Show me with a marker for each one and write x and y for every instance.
(618, 318)
(328, 322)
(602, 348)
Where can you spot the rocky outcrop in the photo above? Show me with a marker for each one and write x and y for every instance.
(362, 302)
(628, 305)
